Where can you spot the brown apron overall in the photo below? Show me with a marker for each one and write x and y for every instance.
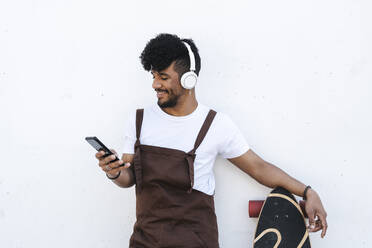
(169, 212)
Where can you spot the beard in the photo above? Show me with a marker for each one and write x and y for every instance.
(171, 102)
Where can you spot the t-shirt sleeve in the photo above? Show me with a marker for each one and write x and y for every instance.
(233, 144)
(130, 134)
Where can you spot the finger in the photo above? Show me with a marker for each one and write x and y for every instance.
(114, 152)
(116, 164)
(109, 166)
(322, 218)
(311, 220)
(127, 165)
(100, 154)
(318, 226)
(108, 159)
(113, 172)
(106, 168)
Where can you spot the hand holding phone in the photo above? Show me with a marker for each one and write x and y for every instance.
(108, 160)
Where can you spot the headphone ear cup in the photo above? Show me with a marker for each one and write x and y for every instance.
(189, 80)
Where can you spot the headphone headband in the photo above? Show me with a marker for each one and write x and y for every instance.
(191, 56)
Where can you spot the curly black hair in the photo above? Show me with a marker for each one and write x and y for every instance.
(164, 49)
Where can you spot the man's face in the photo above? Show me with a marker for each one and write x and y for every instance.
(168, 87)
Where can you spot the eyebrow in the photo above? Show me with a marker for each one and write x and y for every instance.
(161, 74)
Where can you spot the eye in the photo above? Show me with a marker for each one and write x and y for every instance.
(162, 78)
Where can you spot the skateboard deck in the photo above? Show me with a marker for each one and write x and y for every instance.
(281, 223)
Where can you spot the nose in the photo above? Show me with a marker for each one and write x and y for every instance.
(156, 84)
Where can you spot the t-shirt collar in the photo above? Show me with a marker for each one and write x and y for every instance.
(177, 118)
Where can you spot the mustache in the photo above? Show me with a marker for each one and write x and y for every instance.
(161, 90)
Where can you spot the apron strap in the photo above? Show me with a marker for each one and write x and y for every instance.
(139, 119)
(190, 156)
(137, 157)
(204, 129)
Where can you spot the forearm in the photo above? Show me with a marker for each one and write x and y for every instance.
(272, 176)
(267, 173)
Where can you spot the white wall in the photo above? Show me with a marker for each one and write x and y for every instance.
(294, 75)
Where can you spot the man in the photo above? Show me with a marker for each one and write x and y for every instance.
(170, 149)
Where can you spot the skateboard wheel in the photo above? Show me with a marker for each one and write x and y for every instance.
(254, 208)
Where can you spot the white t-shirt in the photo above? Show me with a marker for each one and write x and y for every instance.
(180, 132)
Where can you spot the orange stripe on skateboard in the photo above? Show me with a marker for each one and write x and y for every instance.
(279, 236)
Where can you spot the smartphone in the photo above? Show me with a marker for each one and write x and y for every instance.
(99, 146)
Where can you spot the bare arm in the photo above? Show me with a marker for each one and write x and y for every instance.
(271, 176)
(266, 173)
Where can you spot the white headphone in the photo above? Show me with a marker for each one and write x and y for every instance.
(189, 79)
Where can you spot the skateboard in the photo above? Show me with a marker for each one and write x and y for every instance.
(281, 221)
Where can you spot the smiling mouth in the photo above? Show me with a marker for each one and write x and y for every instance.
(161, 93)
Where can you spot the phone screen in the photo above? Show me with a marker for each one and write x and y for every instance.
(99, 146)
